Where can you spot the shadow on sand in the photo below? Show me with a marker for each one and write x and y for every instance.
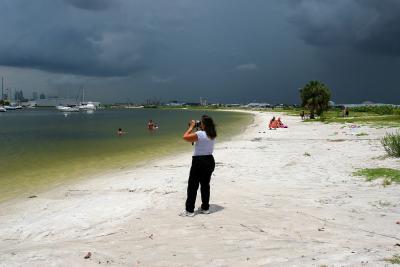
(215, 208)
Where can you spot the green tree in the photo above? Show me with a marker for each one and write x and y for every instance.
(315, 97)
(4, 102)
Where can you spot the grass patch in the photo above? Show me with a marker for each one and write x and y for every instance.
(395, 259)
(335, 116)
(361, 134)
(391, 143)
(389, 175)
(381, 110)
(377, 116)
(376, 120)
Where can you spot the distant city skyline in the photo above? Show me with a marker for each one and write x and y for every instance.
(223, 51)
(18, 96)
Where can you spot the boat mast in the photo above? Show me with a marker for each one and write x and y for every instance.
(2, 87)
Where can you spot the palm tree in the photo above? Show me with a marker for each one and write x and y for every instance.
(315, 96)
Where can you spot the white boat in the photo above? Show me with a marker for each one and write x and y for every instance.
(82, 106)
(86, 106)
(2, 109)
(134, 107)
(67, 109)
(10, 107)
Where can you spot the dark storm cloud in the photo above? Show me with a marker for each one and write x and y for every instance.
(370, 26)
(82, 40)
(75, 52)
(91, 4)
(228, 51)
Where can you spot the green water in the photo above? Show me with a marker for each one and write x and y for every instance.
(42, 148)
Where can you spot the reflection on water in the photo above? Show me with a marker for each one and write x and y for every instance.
(44, 147)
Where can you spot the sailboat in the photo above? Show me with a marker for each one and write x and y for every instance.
(83, 106)
(67, 108)
(13, 107)
(86, 106)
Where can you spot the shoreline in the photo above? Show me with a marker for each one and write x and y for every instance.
(60, 175)
(271, 205)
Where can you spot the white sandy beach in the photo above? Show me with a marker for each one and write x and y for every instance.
(272, 205)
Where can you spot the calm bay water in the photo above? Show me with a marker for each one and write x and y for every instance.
(42, 148)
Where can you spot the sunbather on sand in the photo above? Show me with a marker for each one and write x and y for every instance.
(280, 123)
(273, 124)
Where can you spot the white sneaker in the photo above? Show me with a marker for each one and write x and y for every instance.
(200, 210)
(185, 213)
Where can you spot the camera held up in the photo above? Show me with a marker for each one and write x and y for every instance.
(197, 125)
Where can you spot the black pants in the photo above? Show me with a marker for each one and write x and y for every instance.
(200, 173)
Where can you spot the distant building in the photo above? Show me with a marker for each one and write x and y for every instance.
(54, 101)
(232, 105)
(42, 96)
(203, 102)
(364, 104)
(35, 95)
(192, 104)
(175, 104)
(258, 105)
(19, 96)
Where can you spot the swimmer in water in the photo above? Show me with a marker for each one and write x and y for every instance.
(120, 132)
(150, 125)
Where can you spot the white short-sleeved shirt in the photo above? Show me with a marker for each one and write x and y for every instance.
(204, 145)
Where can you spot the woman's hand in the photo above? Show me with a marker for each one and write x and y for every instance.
(188, 135)
(192, 124)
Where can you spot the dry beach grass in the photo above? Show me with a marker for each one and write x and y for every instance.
(280, 198)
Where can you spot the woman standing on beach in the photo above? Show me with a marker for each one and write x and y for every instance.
(203, 164)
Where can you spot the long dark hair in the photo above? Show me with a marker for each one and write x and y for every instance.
(209, 126)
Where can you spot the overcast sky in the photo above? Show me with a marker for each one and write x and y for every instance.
(221, 50)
